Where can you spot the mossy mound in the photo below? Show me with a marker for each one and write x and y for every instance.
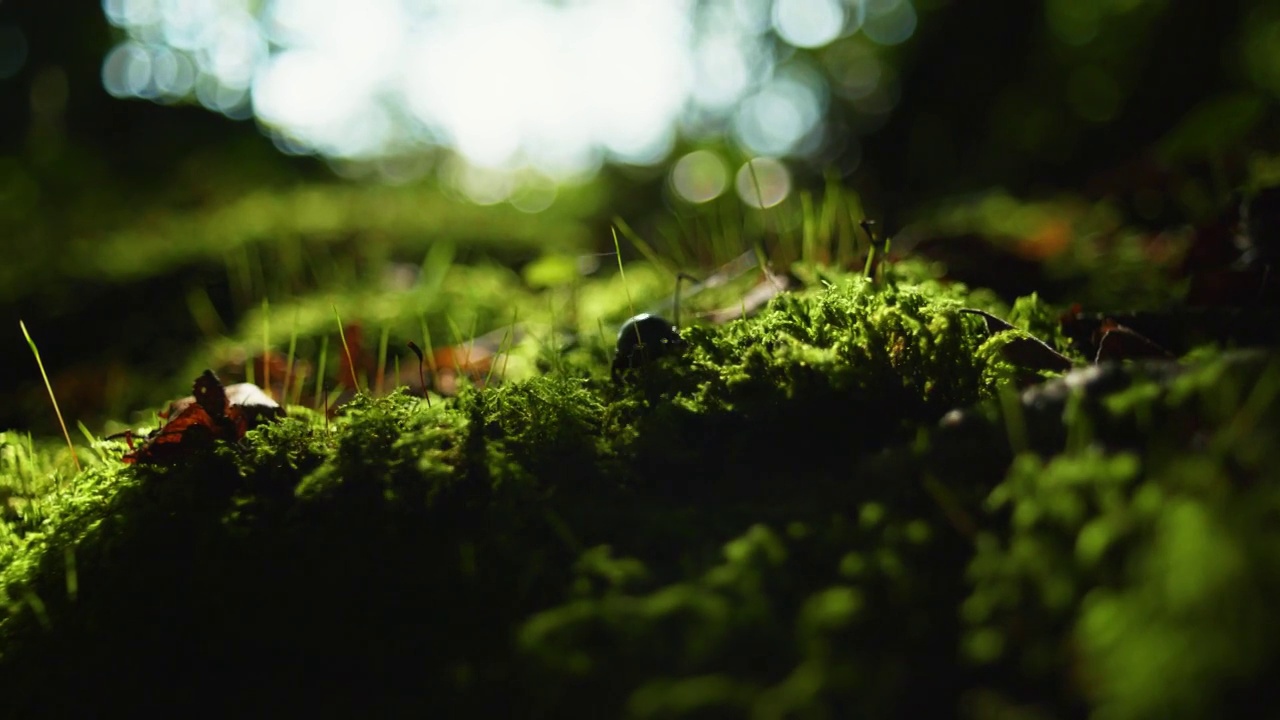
(772, 524)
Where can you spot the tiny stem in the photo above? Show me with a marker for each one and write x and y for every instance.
(679, 278)
(320, 363)
(511, 332)
(421, 377)
(49, 386)
(351, 367)
(288, 365)
(617, 253)
(866, 226)
(623, 274)
(382, 361)
(266, 347)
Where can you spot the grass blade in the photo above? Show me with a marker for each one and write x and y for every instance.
(48, 386)
(355, 386)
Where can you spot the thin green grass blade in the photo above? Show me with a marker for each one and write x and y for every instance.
(48, 386)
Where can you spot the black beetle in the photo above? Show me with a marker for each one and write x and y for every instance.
(646, 337)
(642, 339)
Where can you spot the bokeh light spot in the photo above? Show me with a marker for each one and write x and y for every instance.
(481, 185)
(721, 71)
(788, 108)
(530, 88)
(889, 22)
(132, 13)
(752, 15)
(699, 176)
(763, 182)
(535, 194)
(808, 23)
(175, 74)
(127, 70)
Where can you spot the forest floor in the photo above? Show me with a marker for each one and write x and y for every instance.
(865, 485)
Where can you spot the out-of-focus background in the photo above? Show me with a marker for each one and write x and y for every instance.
(172, 171)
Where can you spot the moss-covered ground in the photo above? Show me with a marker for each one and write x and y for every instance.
(856, 502)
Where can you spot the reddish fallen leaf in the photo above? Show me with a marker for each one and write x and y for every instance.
(212, 412)
(476, 359)
(470, 360)
(235, 394)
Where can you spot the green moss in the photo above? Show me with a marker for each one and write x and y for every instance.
(769, 622)
(1042, 321)
(1141, 576)
(771, 523)
(808, 385)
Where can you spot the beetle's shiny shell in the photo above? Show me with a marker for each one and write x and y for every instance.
(642, 339)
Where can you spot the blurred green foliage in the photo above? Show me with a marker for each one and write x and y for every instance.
(1143, 576)
(134, 231)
